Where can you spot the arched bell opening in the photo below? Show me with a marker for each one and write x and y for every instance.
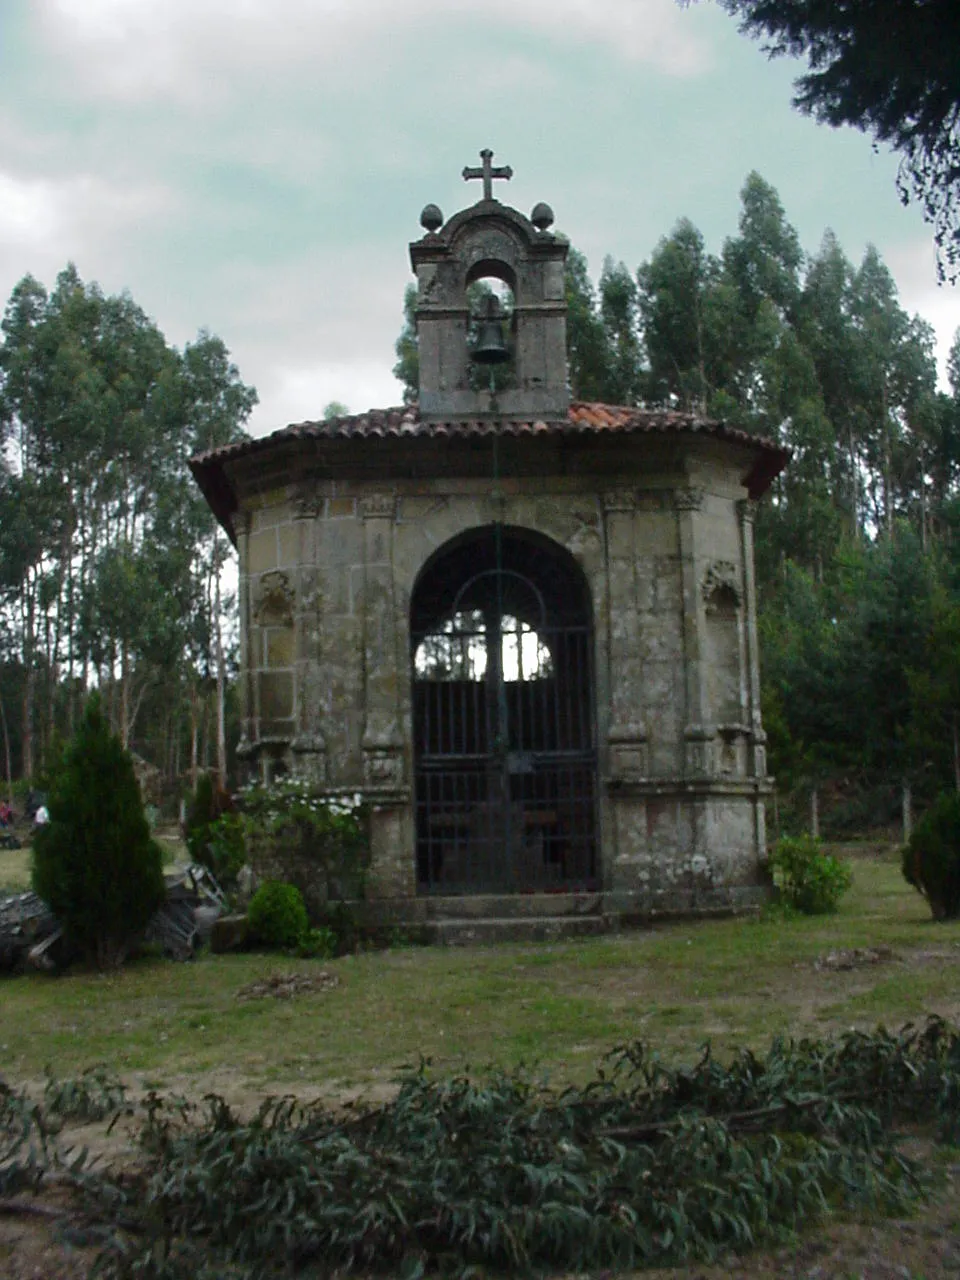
(503, 711)
(491, 325)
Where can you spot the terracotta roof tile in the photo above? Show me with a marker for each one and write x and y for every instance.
(405, 421)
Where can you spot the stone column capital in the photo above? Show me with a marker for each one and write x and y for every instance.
(689, 498)
(747, 510)
(377, 506)
(308, 502)
(242, 523)
(619, 500)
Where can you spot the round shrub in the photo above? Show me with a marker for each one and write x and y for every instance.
(931, 858)
(94, 862)
(277, 915)
(810, 880)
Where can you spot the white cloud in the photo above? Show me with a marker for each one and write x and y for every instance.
(297, 394)
(44, 223)
(197, 51)
(29, 212)
(913, 267)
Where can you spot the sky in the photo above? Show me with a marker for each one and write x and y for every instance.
(257, 168)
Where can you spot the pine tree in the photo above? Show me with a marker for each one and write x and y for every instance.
(95, 864)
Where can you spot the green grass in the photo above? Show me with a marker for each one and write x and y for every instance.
(558, 1005)
(15, 869)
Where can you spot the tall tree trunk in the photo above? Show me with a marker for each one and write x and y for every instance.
(815, 813)
(29, 678)
(956, 754)
(194, 736)
(906, 802)
(6, 751)
(124, 695)
(887, 465)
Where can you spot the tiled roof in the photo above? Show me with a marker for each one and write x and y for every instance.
(405, 422)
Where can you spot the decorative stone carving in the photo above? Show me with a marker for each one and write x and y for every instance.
(629, 753)
(688, 499)
(383, 766)
(378, 506)
(310, 757)
(619, 500)
(747, 511)
(310, 503)
(721, 577)
(275, 600)
(699, 740)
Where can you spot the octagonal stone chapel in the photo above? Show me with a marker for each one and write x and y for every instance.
(523, 627)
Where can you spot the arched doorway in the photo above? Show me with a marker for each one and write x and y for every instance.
(503, 707)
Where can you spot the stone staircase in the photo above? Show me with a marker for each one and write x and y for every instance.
(478, 919)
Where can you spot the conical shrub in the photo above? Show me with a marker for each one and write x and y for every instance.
(95, 863)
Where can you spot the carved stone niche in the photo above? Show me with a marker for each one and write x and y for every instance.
(629, 753)
(310, 757)
(721, 587)
(383, 767)
(731, 750)
(382, 755)
(699, 744)
(275, 600)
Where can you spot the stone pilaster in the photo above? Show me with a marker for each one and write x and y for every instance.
(747, 512)
(245, 747)
(626, 734)
(698, 734)
(309, 747)
(383, 763)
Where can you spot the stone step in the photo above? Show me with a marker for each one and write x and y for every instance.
(511, 906)
(477, 933)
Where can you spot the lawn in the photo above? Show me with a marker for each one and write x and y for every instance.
(561, 1006)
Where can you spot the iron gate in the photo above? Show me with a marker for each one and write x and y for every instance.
(504, 726)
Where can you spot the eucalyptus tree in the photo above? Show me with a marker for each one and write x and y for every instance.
(108, 554)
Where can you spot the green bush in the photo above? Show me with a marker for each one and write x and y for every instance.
(931, 858)
(278, 915)
(202, 811)
(810, 880)
(224, 852)
(94, 863)
(317, 944)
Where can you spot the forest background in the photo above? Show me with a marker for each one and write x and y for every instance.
(114, 574)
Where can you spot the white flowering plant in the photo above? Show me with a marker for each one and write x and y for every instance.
(329, 827)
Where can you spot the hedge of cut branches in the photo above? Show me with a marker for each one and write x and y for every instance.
(646, 1165)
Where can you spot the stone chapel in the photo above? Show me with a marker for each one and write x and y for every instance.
(522, 626)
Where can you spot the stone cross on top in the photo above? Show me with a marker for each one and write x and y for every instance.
(488, 173)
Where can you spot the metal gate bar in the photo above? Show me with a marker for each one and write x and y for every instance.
(505, 756)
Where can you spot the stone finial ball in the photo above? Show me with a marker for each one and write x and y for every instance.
(542, 216)
(431, 219)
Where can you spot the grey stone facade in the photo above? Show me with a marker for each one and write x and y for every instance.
(335, 523)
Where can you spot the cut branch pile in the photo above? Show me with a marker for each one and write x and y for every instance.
(646, 1165)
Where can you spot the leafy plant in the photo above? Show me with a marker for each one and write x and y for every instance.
(95, 863)
(317, 944)
(931, 858)
(224, 851)
(326, 834)
(277, 915)
(25, 1149)
(94, 1095)
(809, 879)
(646, 1165)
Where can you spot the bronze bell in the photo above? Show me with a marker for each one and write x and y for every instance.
(490, 347)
